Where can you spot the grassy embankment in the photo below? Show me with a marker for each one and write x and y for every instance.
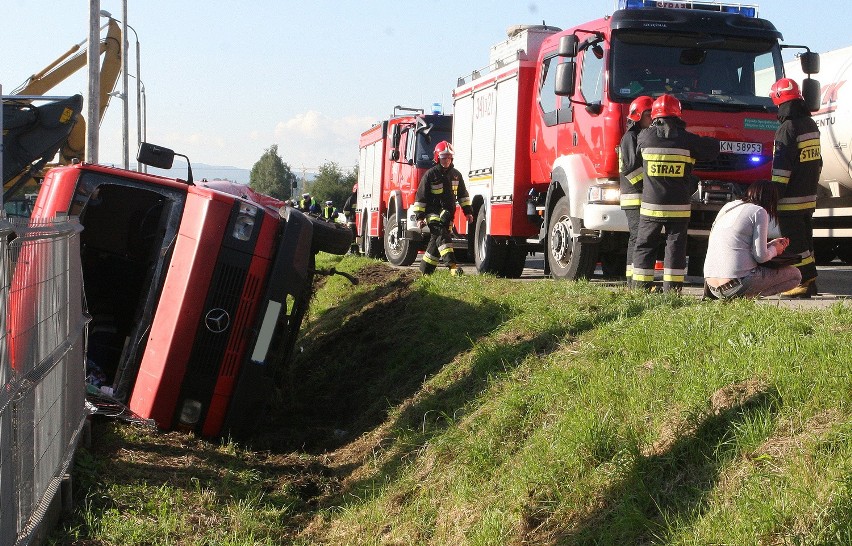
(480, 411)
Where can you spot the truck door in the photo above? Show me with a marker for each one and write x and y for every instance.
(588, 134)
(544, 126)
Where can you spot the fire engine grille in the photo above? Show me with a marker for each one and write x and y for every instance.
(732, 162)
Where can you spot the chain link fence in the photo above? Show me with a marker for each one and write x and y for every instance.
(42, 368)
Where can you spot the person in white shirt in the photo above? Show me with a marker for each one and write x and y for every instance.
(738, 246)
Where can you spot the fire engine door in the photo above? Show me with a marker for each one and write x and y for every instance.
(546, 120)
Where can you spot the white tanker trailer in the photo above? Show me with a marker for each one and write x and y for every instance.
(833, 216)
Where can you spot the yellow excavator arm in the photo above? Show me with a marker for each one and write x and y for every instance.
(70, 62)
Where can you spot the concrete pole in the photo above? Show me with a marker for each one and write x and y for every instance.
(93, 100)
(125, 114)
(138, 102)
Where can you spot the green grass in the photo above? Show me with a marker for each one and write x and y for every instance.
(478, 411)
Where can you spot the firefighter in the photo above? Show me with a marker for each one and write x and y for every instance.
(630, 169)
(668, 154)
(435, 206)
(349, 208)
(796, 167)
(329, 212)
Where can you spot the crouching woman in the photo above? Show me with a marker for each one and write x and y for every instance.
(738, 246)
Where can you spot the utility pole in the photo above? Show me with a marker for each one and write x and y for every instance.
(93, 100)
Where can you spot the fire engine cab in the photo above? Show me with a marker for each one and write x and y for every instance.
(536, 132)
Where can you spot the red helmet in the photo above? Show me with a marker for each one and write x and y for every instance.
(639, 106)
(666, 106)
(443, 149)
(784, 90)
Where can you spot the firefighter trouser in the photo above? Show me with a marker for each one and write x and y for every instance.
(633, 227)
(353, 248)
(799, 229)
(648, 239)
(437, 249)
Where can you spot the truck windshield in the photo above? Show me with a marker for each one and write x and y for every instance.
(426, 146)
(704, 72)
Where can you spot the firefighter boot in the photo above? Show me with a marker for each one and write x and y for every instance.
(673, 287)
(455, 270)
(805, 290)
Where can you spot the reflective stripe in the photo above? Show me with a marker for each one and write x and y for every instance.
(631, 199)
(431, 260)
(635, 176)
(642, 278)
(806, 261)
(668, 154)
(464, 202)
(670, 271)
(673, 278)
(433, 218)
(419, 206)
(803, 202)
(675, 275)
(629, 271)
(445, 249)
(808, 136)
(657, 210)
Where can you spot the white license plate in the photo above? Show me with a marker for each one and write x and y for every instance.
(732, 147)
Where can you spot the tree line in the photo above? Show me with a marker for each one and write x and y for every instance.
(272, 176)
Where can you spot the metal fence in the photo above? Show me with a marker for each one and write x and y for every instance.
(42, 368)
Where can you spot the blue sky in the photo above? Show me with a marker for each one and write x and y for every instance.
(225, 79)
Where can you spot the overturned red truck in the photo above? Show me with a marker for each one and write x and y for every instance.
(196, 291)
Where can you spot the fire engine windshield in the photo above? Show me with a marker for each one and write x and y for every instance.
(426, 146)
(705, 72)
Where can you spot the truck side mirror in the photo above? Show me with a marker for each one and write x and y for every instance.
(810, 62)
(565, 79)
(568, 46)
(155, 156)
(811, 92)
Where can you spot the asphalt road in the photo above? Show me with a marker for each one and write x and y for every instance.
(833, 284)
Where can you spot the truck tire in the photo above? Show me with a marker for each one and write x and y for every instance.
(330, 237)
(371, 247)
(567, 256)
(398, 250)
(489, 257)
(516, 259)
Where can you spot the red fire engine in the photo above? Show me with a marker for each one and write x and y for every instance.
(196, 291)
(393, 156)
(536, 131)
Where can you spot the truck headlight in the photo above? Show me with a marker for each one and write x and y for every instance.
(607, 194)
(244, 223)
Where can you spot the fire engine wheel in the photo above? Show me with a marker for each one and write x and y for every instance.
(371, 247)
(398, 249)
(330, 237)
(567, 256)
(516, 259)
(489, 256)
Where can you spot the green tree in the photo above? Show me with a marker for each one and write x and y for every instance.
(271, 176)
(332, 183)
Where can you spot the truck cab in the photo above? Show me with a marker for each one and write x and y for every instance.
(196, 292)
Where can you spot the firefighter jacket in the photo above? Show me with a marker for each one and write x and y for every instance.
(437, 194)
(349, 206)
(669, 153)
(797, 161)
(630, 167)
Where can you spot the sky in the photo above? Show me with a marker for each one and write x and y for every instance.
(225, 80)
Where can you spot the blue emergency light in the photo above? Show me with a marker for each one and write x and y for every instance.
(747, 10)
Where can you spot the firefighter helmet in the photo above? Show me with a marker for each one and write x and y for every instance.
(784, 90)
(666, 106)
(443, 149)
(639, 106)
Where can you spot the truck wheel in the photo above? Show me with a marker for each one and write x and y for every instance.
(399, 250)
(567, 256)
(516, 259)
(488, 255)
(824, 251)
(844, 250)
(330, 237)
(371, 247)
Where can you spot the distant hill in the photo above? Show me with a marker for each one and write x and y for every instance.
(211, 172)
